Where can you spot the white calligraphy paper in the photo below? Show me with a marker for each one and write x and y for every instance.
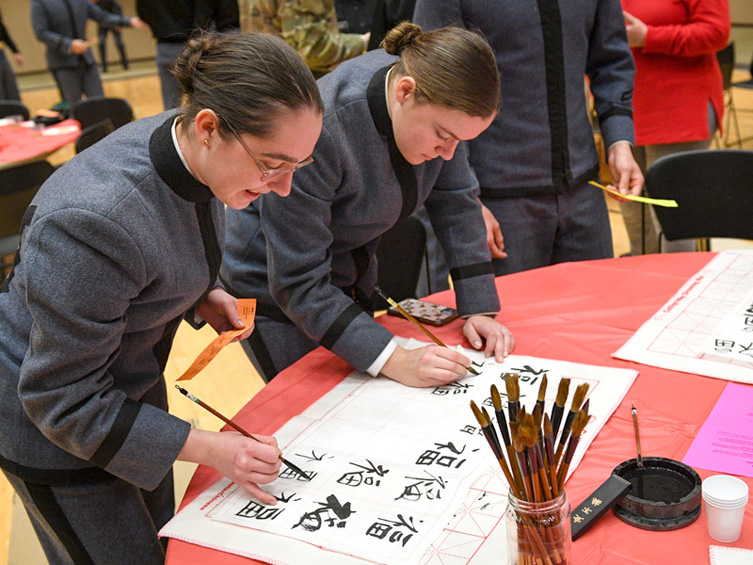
(400, 475)
(706, 328)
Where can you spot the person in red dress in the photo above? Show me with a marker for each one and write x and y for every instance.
(678, 99)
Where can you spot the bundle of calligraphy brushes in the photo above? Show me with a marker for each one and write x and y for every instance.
(535, 459)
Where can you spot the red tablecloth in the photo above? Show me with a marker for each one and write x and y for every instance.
(20, 144)
(580, 312)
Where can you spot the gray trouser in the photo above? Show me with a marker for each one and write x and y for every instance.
(274, 345)
(109, 521)
(541, 230)
(8, 85)
(166, 54)
(437, 279)
(640, 219)
(78, 81)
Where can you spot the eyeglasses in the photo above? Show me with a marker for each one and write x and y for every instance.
(268, 173)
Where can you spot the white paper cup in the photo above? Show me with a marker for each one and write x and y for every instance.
(724, 498)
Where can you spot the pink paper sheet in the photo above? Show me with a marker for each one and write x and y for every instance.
(725, 442)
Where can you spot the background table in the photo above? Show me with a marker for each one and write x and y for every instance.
(581, 312)
(21, 144)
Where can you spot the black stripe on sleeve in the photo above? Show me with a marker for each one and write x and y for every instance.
(129, 411)
(340, 325)
(470, 271)
(616, 111)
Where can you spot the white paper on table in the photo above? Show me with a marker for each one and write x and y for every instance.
(702, 328)
(723, 555)
(462, 521)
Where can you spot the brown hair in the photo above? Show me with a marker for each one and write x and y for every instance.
(248, 79)
(452, 66)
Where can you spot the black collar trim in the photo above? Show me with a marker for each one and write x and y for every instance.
(170, 168)
(378, 103)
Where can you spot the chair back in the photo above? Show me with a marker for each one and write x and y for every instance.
(91, 135)
(97, 109)
(713, 189)
(13, 107)
(400, 254)
(18, 185)
(726, 59)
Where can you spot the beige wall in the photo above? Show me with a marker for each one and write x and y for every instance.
(16, 17)
(741, 11)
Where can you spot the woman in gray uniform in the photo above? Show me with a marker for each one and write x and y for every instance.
(118, 246)
(391, 140)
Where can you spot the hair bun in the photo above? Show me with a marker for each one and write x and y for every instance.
(401, 36)
(185, 66)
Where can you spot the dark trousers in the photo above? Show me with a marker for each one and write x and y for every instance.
(554, 228)
(117, 36)
(76, 82)
(109, 521)
(8, 85)
(166, 54)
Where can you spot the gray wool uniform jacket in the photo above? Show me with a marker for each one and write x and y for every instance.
(58, 22)
(542, 139)
(121, 242)
(298, 252)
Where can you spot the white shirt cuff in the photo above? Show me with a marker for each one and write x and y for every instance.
(376, 367)
(619, 141)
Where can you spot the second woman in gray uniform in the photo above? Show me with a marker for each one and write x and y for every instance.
(391, 140)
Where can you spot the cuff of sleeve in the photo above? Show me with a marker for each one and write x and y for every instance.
(619, 141)
(617, 128)
(655, 41)
(488, 314)
(150, 448)
(376, 367)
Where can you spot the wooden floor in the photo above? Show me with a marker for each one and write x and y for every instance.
(230, 380)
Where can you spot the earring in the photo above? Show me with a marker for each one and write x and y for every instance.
(206, 142)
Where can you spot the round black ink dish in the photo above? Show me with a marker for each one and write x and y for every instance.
(665, 494)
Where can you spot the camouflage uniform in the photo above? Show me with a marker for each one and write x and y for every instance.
(309, 26)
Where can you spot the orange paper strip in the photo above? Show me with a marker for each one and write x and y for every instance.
(247, 311)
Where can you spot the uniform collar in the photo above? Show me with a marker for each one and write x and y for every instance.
(170, 168)
(377, 99)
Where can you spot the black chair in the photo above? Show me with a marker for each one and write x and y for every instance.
(18, 185)
(714, 192)
(400, 254)
(96, 109)
(746, 83)
(13, 107)
(726, 59)
(91, 135)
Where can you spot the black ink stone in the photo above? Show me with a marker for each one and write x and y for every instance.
(665, 494)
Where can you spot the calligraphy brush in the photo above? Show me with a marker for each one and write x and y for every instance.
(563, 389)
(578, 398)
(639, 459)
(513, 395)
(542, 392)
(492, 432)
(505, 432)
(586, 404)
(418, 324)
(537, 416)
(235, 426)
(549, 445)
(519, 446)
(541, 490)
(527, 432)
(579, 423)
(486, 427)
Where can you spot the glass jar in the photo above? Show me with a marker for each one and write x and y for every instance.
(538, 533)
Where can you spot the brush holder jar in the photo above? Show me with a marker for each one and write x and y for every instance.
(538, 533)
